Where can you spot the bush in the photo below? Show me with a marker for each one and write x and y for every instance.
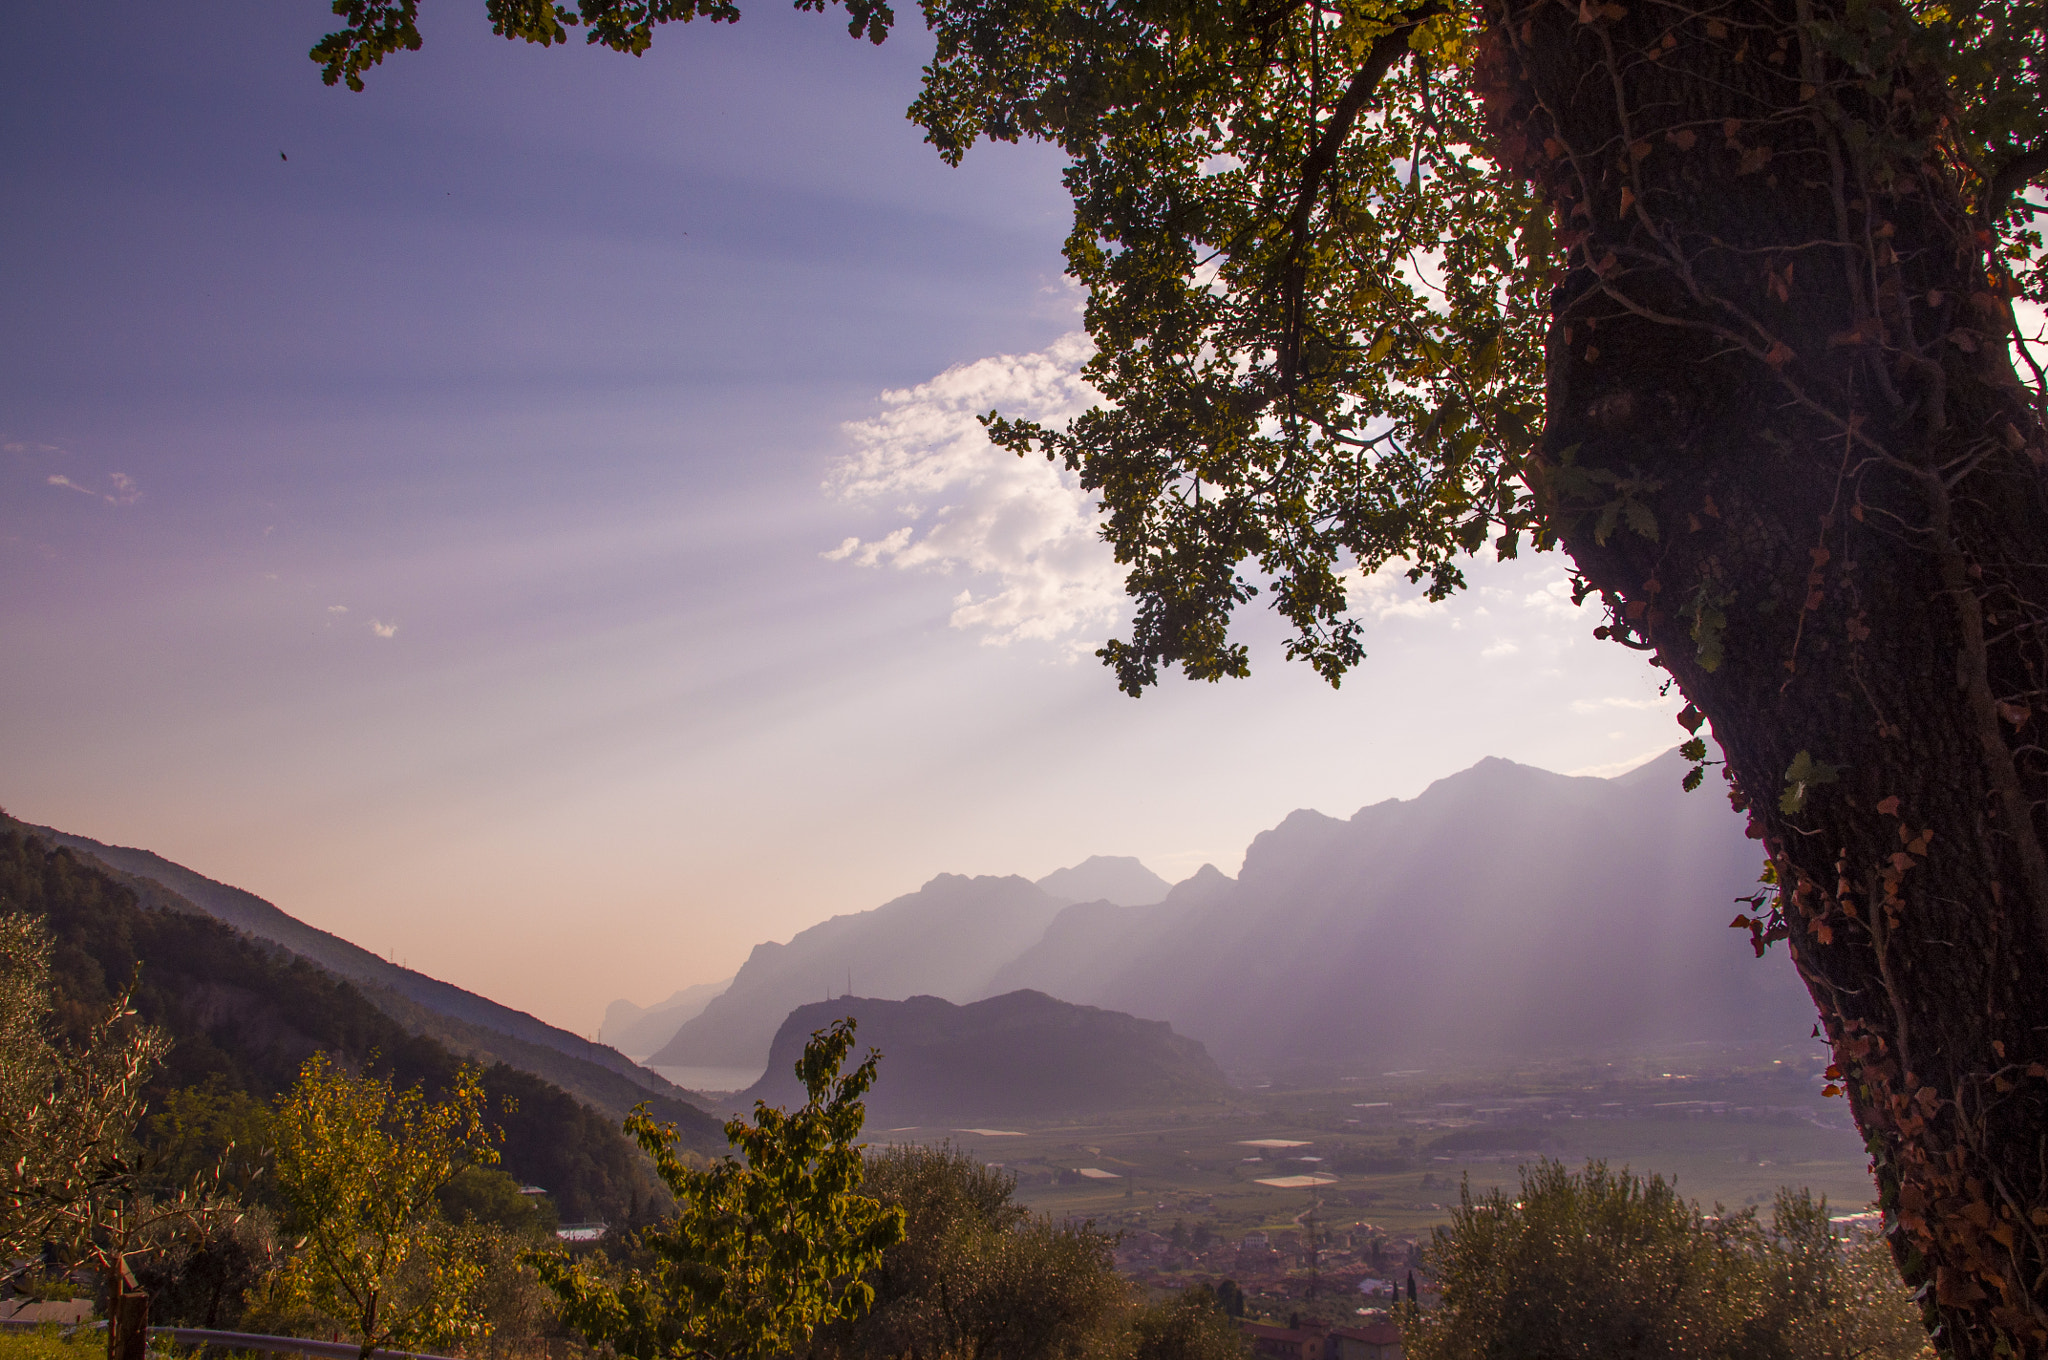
(1195, 1325)
(1602, 1263)
(975, 1273)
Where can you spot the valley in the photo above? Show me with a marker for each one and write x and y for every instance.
(1385, 1154)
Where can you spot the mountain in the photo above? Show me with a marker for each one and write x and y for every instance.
(472, 1025)
(1020, 1055)
(244, 1014)
(637, 1031)
(1106, 878)
(1504, 910)
(947, 939)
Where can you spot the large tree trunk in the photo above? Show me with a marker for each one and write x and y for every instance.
(1787, 444)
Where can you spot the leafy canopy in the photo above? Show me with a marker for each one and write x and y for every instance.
(1319, 306)
(1600, 1262)
(359, 1167)
(68, 1112)
(765, 1248)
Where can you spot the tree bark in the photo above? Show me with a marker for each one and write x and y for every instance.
(1786, 443)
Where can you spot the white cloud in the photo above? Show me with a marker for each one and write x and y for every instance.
(1670, 701)
(383, 630)
(1619, 767)
(1388, 593)
(337, 609)
(1500, 649)
(122, 489)
(1021, 529)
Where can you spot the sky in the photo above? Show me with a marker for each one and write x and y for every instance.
(528, 518)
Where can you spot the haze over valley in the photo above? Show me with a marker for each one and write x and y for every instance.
(1505, 911)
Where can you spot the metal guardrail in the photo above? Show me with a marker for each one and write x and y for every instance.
(246, 1341)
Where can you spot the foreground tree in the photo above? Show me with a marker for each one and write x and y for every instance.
(70, 1177)
(764, 1249)
(1717, 296)
(359, 1168)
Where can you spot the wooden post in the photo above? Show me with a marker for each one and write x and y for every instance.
(128, 1321)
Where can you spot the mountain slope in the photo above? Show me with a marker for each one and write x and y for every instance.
(1019, 1055)
(948, 939)
(472, 1025)
(243, 1015)
(637, 1031)
(1106, 878)
(1504, 910)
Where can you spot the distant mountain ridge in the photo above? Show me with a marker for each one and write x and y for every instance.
(472, 1025)
(1503, 910)
(1119, 879)
(1020, 1055)
(947, 939)
(637, 1031)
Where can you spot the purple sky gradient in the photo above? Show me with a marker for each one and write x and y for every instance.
(426, 531)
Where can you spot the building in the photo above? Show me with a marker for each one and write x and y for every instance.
(1368, 1341)
(1285, 1343)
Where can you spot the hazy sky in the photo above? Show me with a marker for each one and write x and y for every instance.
(528, 518)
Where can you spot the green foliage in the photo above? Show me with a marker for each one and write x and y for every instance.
(376, 29)
(1193, 1325)
(1600, 1263)
(198, 1130)
(359, 1166)
(484, 1194)
(51, 1343)
(67, 1111)
(976, 1274)
(765, 1248)
(244, 1018)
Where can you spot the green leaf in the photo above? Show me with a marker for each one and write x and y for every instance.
(1803, 774)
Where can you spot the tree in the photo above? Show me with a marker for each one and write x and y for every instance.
(977, 1276)
(1605, 1263)
(1191, 1325)
(359, 1166)
(764, 1249)
(69, 1176)
(1715, 295)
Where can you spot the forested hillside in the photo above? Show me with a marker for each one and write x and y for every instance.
(244, 1014)
(473, 1025)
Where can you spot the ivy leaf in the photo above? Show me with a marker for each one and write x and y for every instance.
(1802, 774)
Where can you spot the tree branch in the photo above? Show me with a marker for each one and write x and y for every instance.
(2012, 177)
(1385, 52)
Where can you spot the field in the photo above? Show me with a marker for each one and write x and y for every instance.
(1391, 1149)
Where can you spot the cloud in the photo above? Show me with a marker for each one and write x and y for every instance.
(121, 488)
(337, 609)
(383, 630)
(1619, 767)
(1387, 593)
(1670, 701)
(1021, 530)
